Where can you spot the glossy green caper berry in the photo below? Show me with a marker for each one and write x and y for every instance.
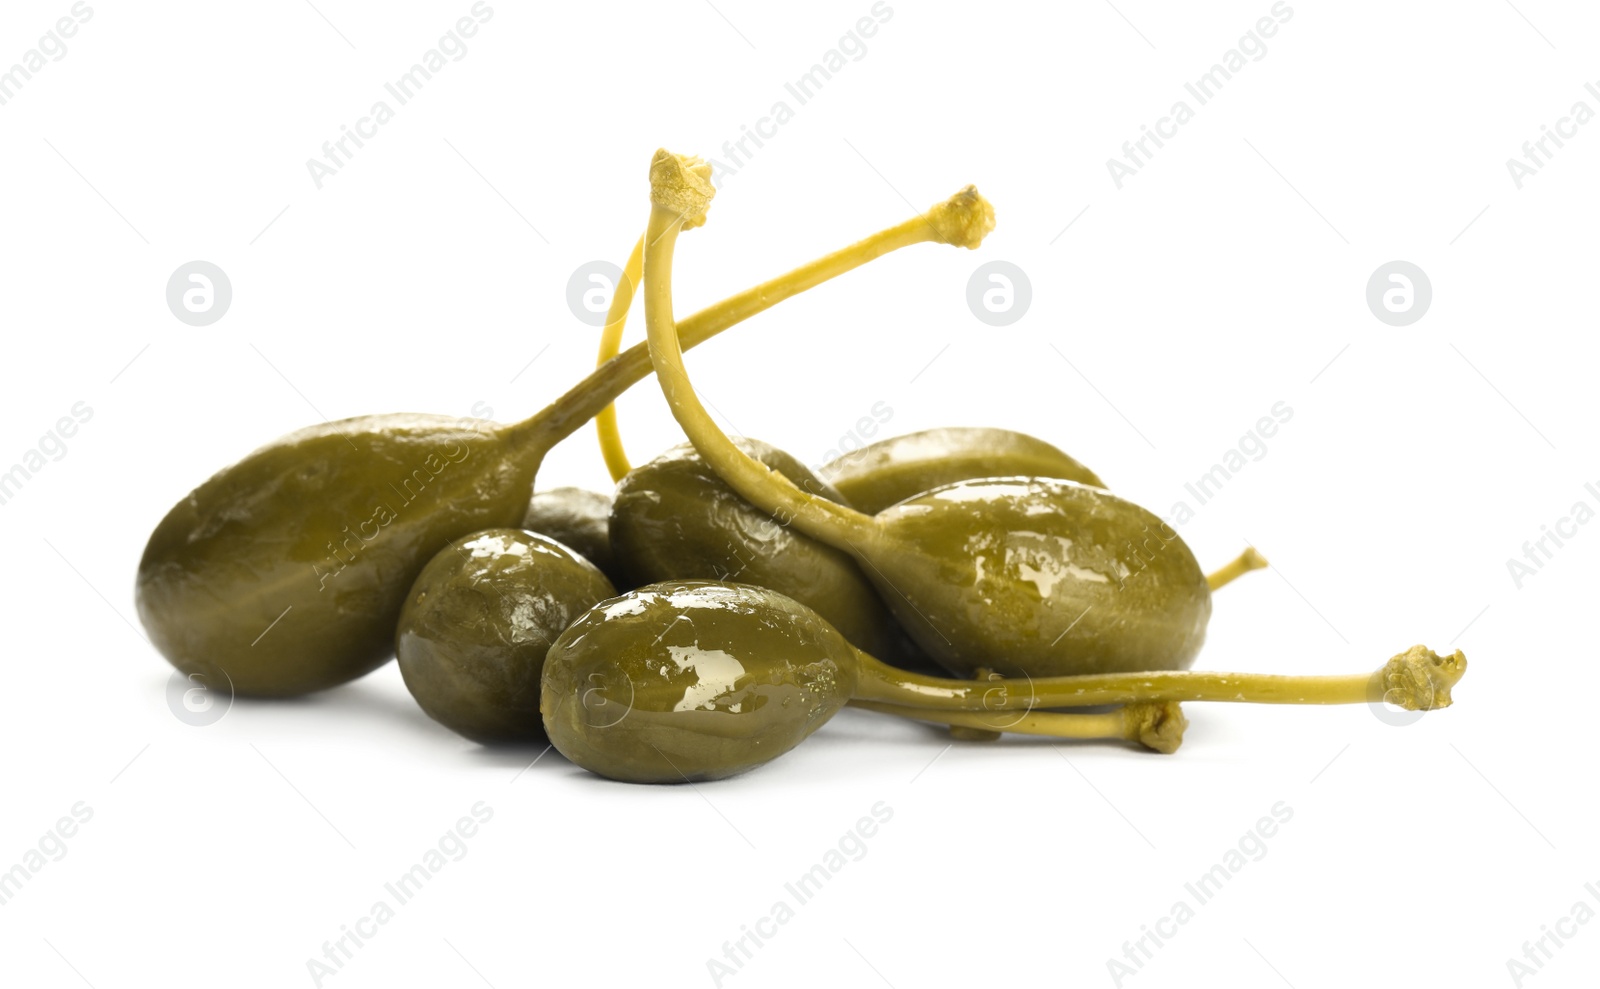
(476, 626)
(694, 680)
(579, 518)
(675, 519)
(1040, 577)
(234, 580)
(894, 469)
(286, 571)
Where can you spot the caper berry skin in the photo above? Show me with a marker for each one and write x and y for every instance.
(675, 519)
(1041, 577)
(579, 519)
(692, 680)
(891, 470)
(286, 572)
(476, 626)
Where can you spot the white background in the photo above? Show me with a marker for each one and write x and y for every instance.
(1170, 315)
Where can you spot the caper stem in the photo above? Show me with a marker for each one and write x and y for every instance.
(587, 399)
(767, 490)
(1160, 730)
(968, 734)
(1418, 680)
(681, 194)
(1240, 565)
(605, 423)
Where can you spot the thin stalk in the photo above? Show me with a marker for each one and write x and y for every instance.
(681, 192)
(605, 424)
(760, 485)
(968, 734)
(590, 396)
(1418, 679)
(1156, 726)
(1240, 565)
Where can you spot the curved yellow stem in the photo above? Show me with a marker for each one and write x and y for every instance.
(605, 424)
(681, 193)
(763, 487)
(589, 397)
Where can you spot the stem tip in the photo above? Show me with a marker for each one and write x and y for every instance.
(964, 219)
(681, 184)
(1158, 726)
(1420, 679)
